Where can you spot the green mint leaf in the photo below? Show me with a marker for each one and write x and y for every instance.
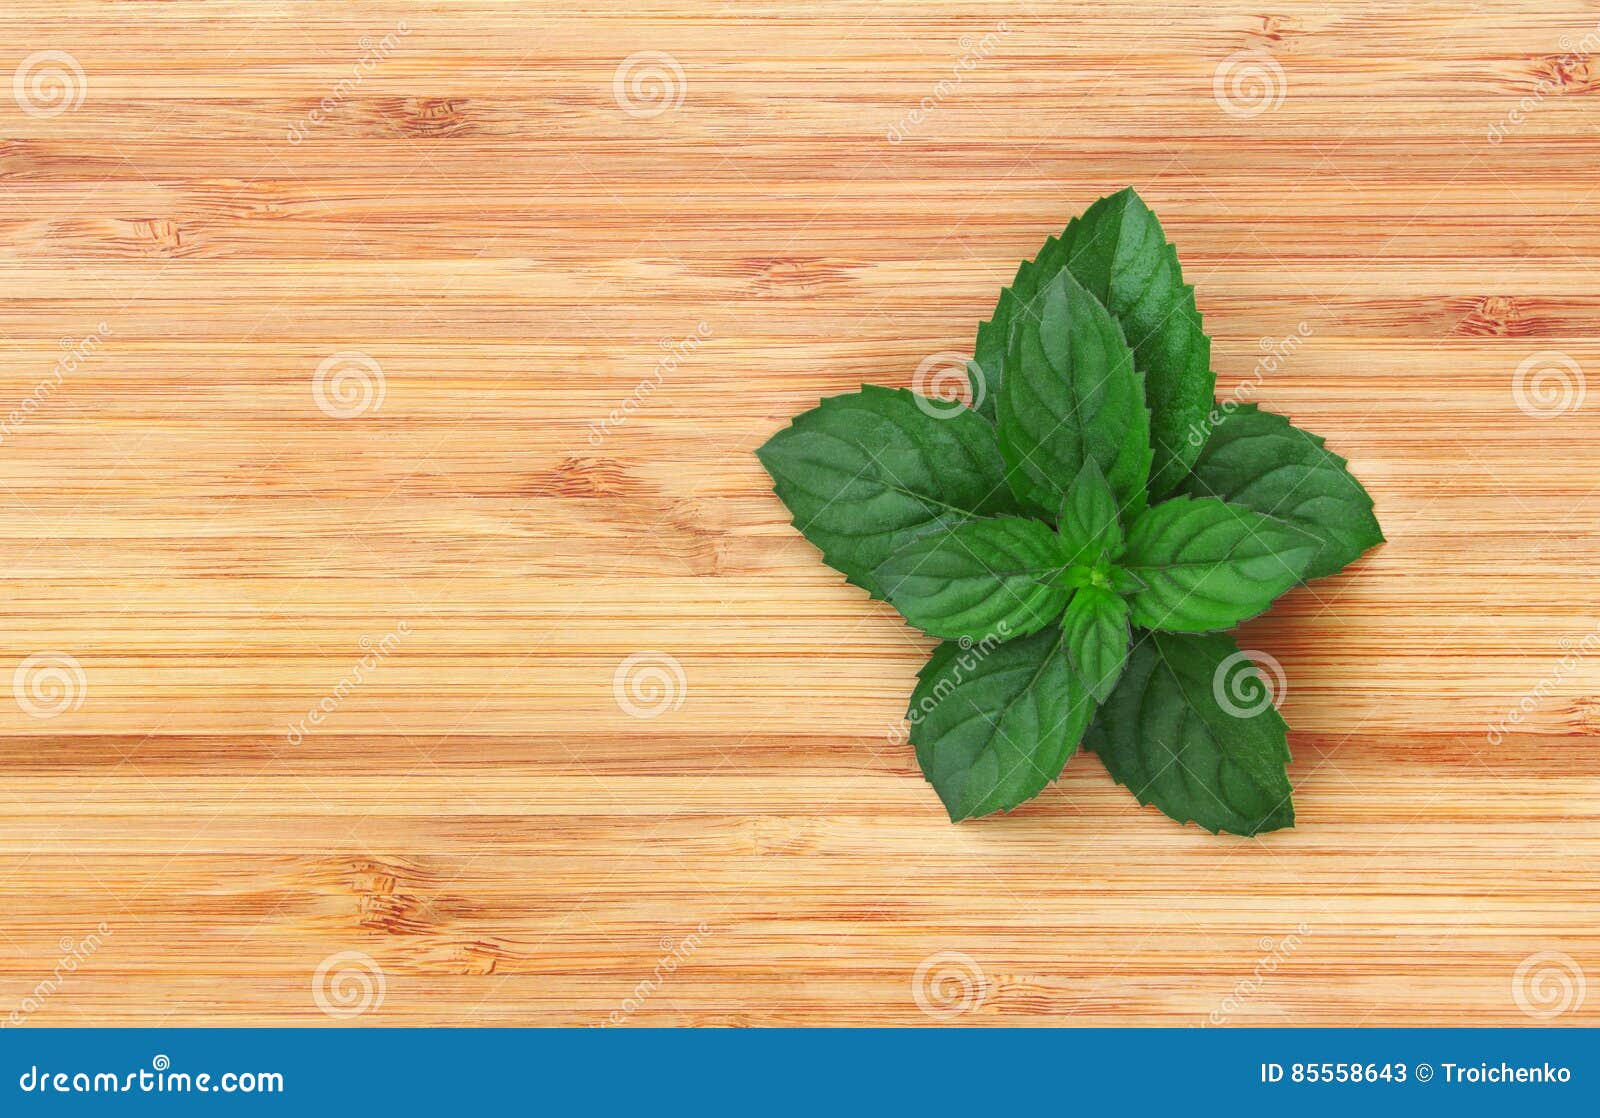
(1125, 582)
(1209, 565)
(981, 578)
(994, 723)
(1088, 523)
(1070, 578)
(1261, 460)
(866, 473)
(1071, 396)
(986, 370)
(1117, 250)
(1176, 734)
(1096, 625)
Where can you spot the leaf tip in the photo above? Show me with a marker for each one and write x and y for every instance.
(1127, 193)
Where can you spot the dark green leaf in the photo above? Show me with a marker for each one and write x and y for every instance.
(1261, 460)
(981, 578)
(1173, 733)
(1096, 624)
(1118, 251)
(994, 723)
(986, 371)
(1071, 396)
(866, 473)
(1089, 525)
(1208, 565)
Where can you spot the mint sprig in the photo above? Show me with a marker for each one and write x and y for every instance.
(1077, 549)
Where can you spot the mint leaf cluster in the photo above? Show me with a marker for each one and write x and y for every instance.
(1082, 537)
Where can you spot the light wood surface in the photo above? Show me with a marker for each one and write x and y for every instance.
(511, 241)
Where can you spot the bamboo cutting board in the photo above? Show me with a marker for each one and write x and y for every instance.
(401, 630)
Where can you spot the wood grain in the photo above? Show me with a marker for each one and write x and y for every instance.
(479, 213)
